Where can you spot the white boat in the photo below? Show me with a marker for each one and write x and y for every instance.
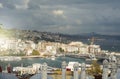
(53, 57)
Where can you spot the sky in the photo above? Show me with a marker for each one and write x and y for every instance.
(63, 16)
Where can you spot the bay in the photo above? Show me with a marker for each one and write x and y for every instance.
(29, 61)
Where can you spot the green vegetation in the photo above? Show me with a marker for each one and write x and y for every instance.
(61, 50)
(95, 69)
(35, 52)
(17, 54)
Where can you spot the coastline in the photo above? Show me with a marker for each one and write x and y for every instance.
(35, 56)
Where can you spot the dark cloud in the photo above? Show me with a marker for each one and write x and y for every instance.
(64, 16)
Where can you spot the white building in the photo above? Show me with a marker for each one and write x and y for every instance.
(83, 49)
(94, 49)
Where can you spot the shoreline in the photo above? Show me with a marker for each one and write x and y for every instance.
(36, 56)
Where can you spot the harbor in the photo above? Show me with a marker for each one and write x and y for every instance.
(29, 61)
(68, 70)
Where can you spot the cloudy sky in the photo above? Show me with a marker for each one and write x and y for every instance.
(64, 16)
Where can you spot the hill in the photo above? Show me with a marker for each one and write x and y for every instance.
(107, 42)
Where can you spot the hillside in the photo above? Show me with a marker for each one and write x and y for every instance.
(107, 42)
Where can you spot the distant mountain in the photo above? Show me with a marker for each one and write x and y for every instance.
(56, 37)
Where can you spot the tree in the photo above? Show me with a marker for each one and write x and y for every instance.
(95, 69)
(35, 52)
(61, 50)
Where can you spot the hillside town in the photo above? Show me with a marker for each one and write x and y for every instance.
(26, 47)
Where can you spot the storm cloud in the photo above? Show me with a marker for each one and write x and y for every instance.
(64, 16)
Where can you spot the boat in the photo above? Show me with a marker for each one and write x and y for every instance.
(53, 57)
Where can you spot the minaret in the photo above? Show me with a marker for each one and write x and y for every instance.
(83, 72)
(64, 70)
(105, 69)
(91, 48)
(44, 71)
(76, 67)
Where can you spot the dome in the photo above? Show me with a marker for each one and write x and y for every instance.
(39, 76)
(7, 76)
